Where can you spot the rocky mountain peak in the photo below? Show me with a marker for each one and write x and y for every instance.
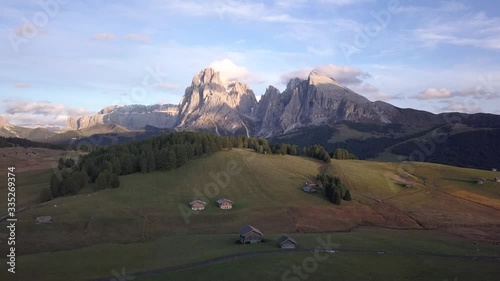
(108, 109)
(207, 76)
(316, 78)
(4, 123)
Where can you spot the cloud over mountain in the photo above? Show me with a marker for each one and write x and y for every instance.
(21, 112)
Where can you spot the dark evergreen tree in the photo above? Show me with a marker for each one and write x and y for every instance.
(115, 181)
(69, 162)
(45, 195)
(54, 185)
(172, 160)
(60, 164)
(103, 180)
(180, 155)
(347, 196)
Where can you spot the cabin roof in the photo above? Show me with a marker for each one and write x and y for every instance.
(285, 238)
(247, 229)
(197, 201)
(44, 218)
(222, 200)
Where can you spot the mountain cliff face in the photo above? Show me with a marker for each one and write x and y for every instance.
(317, 100)
(210, 104)
(132, 117)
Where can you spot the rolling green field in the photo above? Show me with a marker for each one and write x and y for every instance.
(145, 223)
(176, 250)
(341, 267)
(30, 184)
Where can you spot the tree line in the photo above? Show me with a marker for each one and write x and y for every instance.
(343, 154)
(14, 142)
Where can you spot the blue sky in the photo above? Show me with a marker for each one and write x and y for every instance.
(74, 57)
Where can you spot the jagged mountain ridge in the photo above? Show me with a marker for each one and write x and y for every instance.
(36, 134)
(231, 108)
(132, 117)
(210, 104)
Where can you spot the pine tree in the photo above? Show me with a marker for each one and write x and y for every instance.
(347, 196)
(117, 167)
(115, 181)
(103, 180)
(45, 195)
(60, 164)
(180, 155)
(69, 162)
(151, 161)
(54, 185)
(337, 199)
(172, 161)
(240, 142)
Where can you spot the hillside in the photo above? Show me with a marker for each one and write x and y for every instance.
(267, 192)
(150, 211)
(471, 144)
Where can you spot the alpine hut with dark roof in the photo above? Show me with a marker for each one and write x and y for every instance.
(286, 242)
(250, 234)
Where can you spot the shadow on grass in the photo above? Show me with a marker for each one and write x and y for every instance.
(473, 180)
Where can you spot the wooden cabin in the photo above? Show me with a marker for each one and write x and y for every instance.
(225, 204)
(197, 205)
(44, 219)
(250, 234)
(310, 188)
(286, 242)
(481, 181)
(496, 179)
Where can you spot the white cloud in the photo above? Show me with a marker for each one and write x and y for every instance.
(452, 6)
(289, 4)
(347, 75)
(22, 85)
(466, 107)
(433, 93)
(25, 113)
(166, 86)
(478, 31)
(104, 36)
(229, 71)
(350, 76)
(238, 10)
(343, 2)
(476, 93)
(138, 37)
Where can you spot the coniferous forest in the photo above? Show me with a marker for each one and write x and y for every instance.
(104, 164)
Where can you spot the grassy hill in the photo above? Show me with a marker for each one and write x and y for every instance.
(144, 225)
(471, 144)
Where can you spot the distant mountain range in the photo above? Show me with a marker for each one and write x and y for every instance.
(231, 108)
(314, 110)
